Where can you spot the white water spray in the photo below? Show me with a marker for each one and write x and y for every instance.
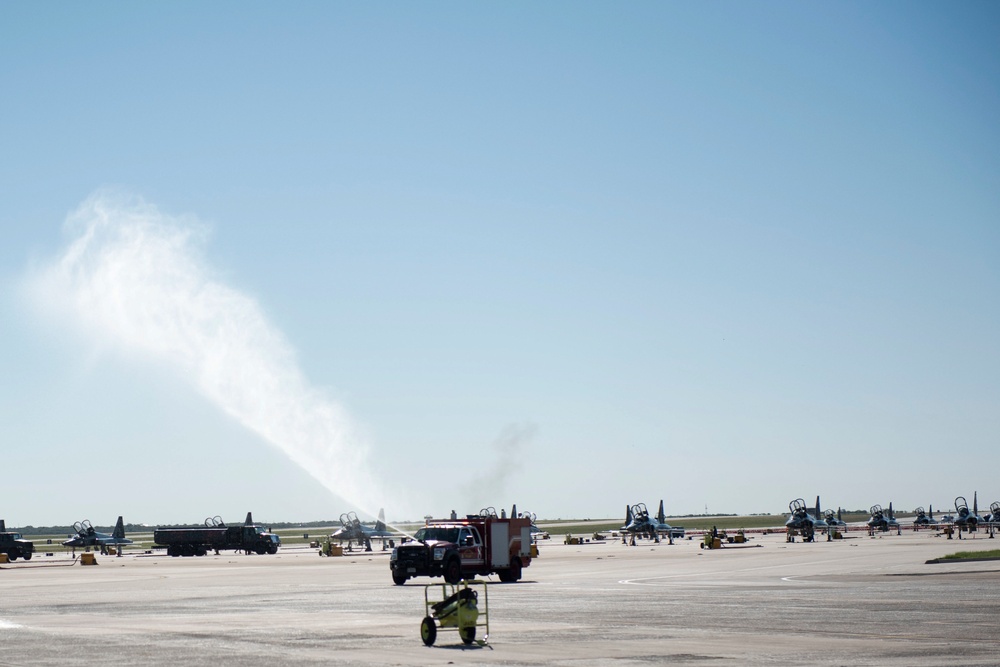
(136, 277)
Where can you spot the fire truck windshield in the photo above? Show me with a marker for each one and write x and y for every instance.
(438, 534)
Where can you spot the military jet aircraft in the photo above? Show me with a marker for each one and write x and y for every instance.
(923, 518)
(883, 520)
(994, 515)
(965, 519)
(832, 519)
(536, 532)
(802, 522)
(639, 523)
(352, 530)
(86, 536)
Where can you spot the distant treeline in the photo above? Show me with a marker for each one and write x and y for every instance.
(289, 525)
(140, 528)
(69, 530)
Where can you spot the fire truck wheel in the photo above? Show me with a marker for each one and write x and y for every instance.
(428, 631)
(453, 570)
(511, 574)
(468, 635)
(398, 579)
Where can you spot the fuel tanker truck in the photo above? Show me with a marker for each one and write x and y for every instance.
(13, 545)
(216, 535)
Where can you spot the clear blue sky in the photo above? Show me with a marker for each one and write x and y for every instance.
(568, 255)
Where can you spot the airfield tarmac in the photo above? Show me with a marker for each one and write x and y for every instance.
(860, 601)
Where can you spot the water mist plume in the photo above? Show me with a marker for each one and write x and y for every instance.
(135, 277)
(491, 482)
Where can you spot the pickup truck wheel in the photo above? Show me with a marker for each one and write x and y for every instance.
(26, 555)
(428, 631)
(13, 554)
(272, 549)
(453, 570)
(398, 578)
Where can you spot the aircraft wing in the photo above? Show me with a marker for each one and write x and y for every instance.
(96, 541)
(371, 532)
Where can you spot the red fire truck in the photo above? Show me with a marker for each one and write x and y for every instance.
(459, 549)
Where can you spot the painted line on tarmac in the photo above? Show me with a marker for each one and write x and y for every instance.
(648, 581)
(800, 579)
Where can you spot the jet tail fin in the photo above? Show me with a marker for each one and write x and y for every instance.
(628, 514)
(380, 524)
(3, 526)
(513, 511)
(975, 503)
(249, 521)
(930, 511)
(119, 532)
(819, 514)
(660, 516)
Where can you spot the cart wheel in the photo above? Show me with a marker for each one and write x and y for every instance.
(428, 631)
(468, 635)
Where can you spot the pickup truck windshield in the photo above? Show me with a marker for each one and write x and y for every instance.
(438, 534)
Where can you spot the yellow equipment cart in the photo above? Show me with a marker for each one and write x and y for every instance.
(463, 607)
